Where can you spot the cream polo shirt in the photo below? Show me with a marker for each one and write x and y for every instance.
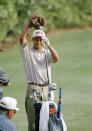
(34, 64)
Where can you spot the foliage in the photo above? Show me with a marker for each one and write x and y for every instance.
(60, 13)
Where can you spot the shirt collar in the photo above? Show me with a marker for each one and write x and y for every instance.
(39, 51)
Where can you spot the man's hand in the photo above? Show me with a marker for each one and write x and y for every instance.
(46, 41)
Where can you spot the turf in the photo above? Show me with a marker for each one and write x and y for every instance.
(73, 73)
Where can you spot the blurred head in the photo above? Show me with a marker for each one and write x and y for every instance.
(38, 33)
(37, 39)
(9, 106)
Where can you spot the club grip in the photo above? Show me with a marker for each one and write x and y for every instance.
(60, 93)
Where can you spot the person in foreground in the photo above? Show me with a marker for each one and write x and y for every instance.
(7, 110)
(37, 70)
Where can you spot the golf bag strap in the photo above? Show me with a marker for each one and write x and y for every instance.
(47, 68)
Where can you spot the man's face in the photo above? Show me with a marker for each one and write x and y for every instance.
(37, 43)
(11, 114)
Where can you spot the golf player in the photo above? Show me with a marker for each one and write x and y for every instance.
(7, 110)
(37, 71)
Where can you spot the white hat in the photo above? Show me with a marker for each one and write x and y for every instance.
(38, 33)
(9, 103)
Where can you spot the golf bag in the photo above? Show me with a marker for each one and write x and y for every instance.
(37, 107)
(54, 123)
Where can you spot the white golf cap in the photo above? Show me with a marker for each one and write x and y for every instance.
(9, 103)
(38, 33)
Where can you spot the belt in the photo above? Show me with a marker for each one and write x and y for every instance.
(36, 84)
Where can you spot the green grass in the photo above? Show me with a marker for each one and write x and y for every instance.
(73, 73)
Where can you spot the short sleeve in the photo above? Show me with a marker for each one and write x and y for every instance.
(49, 57)
(24, 50)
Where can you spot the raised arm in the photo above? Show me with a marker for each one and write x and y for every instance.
(32, 22)
(23, 40)
(55, 56)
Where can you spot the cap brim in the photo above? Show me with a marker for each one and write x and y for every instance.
(3, 106)
(36, 36)
(17, 109)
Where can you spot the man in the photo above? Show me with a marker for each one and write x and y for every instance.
(36, 62)
(7, 110)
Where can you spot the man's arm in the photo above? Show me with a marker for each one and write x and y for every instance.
(55, 56)
(23, 40)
